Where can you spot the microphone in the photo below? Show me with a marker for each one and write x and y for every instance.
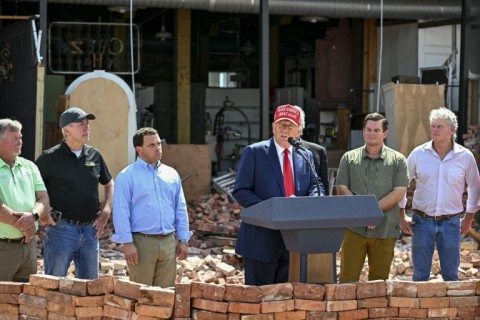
(297, 145)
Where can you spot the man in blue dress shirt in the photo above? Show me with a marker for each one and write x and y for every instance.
(149, 212)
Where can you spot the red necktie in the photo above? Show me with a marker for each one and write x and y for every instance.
(287, 175)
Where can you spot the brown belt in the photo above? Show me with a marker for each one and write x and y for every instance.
(157, 236)
(18, 240)
(440, 217)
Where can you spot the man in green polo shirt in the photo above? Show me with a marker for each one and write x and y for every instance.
(372, 169)
(23, 201)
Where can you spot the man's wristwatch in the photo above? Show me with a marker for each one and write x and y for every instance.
(35, 215)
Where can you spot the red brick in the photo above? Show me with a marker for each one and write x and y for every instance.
(93, 301)
(153, 311)
(310, 305)
(119, 302)
(439, 302)
(242, 293)
(136, 316)
(61, 308)
(290, 315)
(341, 305)
(210, 305)
(44, 281)
(58, 316)
(8, 309)
(277, 306)
(128, 289)
(244, 307)
(461, 302)
(207, 291)
(11, 287)
(353, 314)
(33, 311)
(182, 300)
(431, 289)
(343, 291)
(277, 292)
(231, 316)
(61, 298)
(34, 301)
(442, 312)
(371, 289)
(77, 287)
(89, 312)
(466, 312)
(4, 316)
(306, 291)
(382, 312)
(101, 286)
(460, 288)
(403, 302)
(207, 315)
(35, 290)
(157, 296)
(372, 303)
(268, 316)
(320, 315)
(412, 313)
(116, 313)
(406, 289)
(11, 298)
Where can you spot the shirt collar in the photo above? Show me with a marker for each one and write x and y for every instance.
(15, 162)
(68, 150)
(365, 153)
(146, 165)
(456, 146)
(280, 148)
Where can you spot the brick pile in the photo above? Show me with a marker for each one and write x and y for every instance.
(55, 298)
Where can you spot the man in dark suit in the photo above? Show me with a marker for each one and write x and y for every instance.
(264, 172)
(319, 153)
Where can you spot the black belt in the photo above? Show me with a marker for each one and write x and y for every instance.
(78, 223)
(440, 217)
(17, 240)
(157, 236)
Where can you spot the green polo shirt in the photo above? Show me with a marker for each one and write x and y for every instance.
(364, 176)
(17, 190)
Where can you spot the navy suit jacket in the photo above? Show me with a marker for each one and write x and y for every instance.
(259, 177)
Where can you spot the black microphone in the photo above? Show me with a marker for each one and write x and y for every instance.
(298, 146)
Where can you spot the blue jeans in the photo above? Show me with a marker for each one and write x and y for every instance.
(66, 242)
(445, 234)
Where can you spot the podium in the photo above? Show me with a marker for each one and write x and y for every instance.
(314, 224)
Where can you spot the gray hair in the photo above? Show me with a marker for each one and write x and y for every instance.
(447, 115)
(302, 116)
(9, 125)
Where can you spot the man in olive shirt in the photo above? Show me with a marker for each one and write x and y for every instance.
(23, 198)
(379, 170)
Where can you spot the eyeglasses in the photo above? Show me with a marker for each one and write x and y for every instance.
(285, 125)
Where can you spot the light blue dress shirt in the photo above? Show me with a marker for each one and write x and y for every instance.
(149, 200)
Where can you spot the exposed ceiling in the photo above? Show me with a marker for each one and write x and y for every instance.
(392, 9)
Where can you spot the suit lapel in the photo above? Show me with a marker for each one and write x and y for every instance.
(274, 161)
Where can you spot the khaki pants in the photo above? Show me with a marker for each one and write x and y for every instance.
(18, 260)
(157, 264)
(353, 252)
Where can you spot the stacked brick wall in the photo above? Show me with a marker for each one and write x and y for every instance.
(54, 298)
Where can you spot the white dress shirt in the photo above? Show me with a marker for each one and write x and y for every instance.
(280, 156)
(440, 184)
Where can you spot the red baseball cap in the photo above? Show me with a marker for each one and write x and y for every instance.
(287, 112)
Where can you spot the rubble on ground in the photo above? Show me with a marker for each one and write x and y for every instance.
(215, 221)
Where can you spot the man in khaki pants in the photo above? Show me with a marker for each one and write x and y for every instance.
(149, 209)
(372, 169)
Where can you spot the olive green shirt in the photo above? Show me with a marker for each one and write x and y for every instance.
(365, 176)
(18, 185)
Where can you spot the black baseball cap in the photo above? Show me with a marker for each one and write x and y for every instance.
(74, 114)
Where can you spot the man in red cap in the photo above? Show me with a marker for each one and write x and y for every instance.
(270, 169)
